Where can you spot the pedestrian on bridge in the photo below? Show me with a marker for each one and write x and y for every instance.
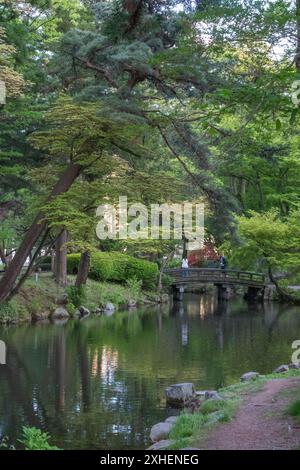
(185, 267)
(223, 262)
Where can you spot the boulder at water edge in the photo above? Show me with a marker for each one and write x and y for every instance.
(280, 369)
(60, 313)
(294, 365)
(212, 395)
(160, 431)
(84, 311)
(249, 376)
(109, 307)
(161, 444)
(171, 419)
(178, 394)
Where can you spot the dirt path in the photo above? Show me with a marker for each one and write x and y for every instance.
(261, 422)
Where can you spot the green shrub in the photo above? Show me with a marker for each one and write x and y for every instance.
(294, 409)
(7, 312)
(134, 287)
(174, 263)
(71, 309)
(167, 280)
(76, 295)
(35, 439)
(45, 265)
(142, 270)
(117, 267)
(73, 263)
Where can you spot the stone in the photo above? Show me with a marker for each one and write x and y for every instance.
(212, 395)
(60, 313)
(109, 307)
(161, 444)
(160, 431)
(171, 419)
(294, 366)
(164, 298)
(177, 394)
(84, 311)
(200, 394)
(98, 311)
(280, 369)
(132, 303)
(249, 376)
(40, 316)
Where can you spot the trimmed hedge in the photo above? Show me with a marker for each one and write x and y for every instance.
(117, 267)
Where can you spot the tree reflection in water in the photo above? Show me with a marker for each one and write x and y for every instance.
(100, 383)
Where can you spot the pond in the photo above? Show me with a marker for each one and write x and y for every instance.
(99, 383)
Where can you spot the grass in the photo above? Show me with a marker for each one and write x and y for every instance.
(191, 430)
(294, 409)
(42, 296)
(102, 292)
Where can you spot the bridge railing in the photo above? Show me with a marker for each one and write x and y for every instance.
(215, 275)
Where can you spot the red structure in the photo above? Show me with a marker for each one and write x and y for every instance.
(208, 253)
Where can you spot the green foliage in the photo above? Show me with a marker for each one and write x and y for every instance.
(117, 267)
(35, 439)
(167, 281)
(76, 295)
(267, 241)
(7, 312)
(99, 293)
(186, 425)
(294, 409)
(135, 286)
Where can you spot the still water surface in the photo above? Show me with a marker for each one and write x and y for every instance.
(99, 383)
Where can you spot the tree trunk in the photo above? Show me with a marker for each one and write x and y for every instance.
(297, 57)
(83, 269)
(2, 256)
(61, 259)
(53, 262)
(284, 295)
(31, 237)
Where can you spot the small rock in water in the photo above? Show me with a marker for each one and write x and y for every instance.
(178, 394)
(161, 444)
(280, 369)
(84, 311)
(160, 431)
(60, 313)
(109, 307)
(249, 376)
(131, 303)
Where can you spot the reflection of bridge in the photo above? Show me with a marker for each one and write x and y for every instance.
(223, 279)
